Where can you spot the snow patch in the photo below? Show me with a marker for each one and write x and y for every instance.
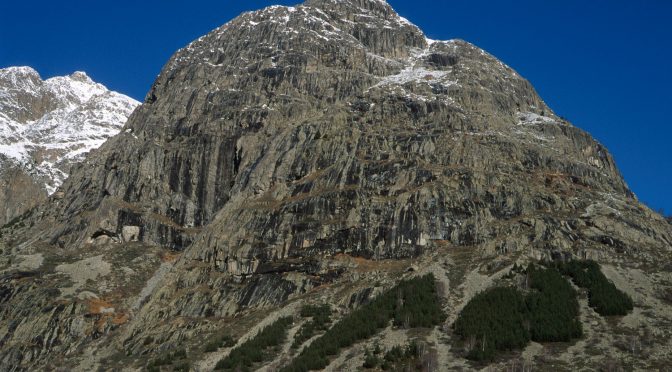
(530, 118)
(413, 74)
(414, 71)
(84, 115)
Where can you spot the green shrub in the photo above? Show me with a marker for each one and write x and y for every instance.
(503, 318)
(412, 303)
(553, 309)
(221, 341)
(179, 354)
(321, 318)
(18, 221)
(417, 304)
(256, 350)
(316, 311)
(371, 360)
(603, 295)
(494, 320)
(181, 367)
(396, 353)
(168, 359)
(398, 358)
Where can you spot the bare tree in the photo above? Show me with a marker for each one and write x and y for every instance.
(470, 344)
(430, 361)
(635, 345)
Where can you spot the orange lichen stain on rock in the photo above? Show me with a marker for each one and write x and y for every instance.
(98, 306)
(107, 314)
(442, 243)
(169, 256)
(120, 319)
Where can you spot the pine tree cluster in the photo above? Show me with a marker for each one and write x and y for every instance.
(176, 359)
(219, 341)
(397, 358)
(257, 349)
(553, 307)
(412, 303)
(321, 319)
(504, 318)
(603, 296)
(494, 320)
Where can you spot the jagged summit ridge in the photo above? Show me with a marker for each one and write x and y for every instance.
(396, 51)
(316, 21)
(48, 125)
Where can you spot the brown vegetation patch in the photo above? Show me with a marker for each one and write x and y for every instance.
(169, 256)
(367, 265)
(97, 306)
(120, 319)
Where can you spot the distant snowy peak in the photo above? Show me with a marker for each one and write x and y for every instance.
(25, 97)
(48, 125)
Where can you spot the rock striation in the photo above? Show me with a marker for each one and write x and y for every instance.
(305, 154)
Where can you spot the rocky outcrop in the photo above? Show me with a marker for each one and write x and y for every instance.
(338, 89)
(19, 192)
(315, 153)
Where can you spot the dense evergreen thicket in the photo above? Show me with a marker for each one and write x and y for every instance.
(257, 348)
(415, 303)
(219, 341)
(321, 318)
(176, 359)
(553, 308)
(397, 358)
(603, 295)
(503, 318)
(412, 303)
(493, 320)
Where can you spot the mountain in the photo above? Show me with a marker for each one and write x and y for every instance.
(319, 154)
(47, 126)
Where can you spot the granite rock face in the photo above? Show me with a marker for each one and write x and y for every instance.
(19, 192)
(312, 153)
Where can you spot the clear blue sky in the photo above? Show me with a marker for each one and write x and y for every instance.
(603, 64)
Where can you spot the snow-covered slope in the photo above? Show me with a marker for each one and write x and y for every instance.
(48, 125)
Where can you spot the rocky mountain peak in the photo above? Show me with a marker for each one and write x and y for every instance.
(310, 154)
(47, 126)
(25, 97)
(18, 76)
(353, 67)
(370, 26)
(378, 8)
(81, 76)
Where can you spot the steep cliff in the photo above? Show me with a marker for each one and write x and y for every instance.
(309, 154)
